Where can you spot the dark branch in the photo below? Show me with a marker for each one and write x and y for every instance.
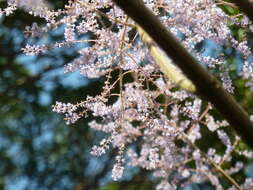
(246, 7)
(207, 86)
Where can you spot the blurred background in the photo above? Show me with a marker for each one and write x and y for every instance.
(37, 149)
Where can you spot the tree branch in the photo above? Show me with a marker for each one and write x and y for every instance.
(166, 66)
(207, 86)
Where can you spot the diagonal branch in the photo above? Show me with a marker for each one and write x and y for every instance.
(165, 64)
(207, 86)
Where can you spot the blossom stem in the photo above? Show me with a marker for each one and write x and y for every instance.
(217, 167)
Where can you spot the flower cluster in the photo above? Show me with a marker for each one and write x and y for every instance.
(150, 111)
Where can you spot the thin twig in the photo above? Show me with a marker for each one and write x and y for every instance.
(221, 2)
